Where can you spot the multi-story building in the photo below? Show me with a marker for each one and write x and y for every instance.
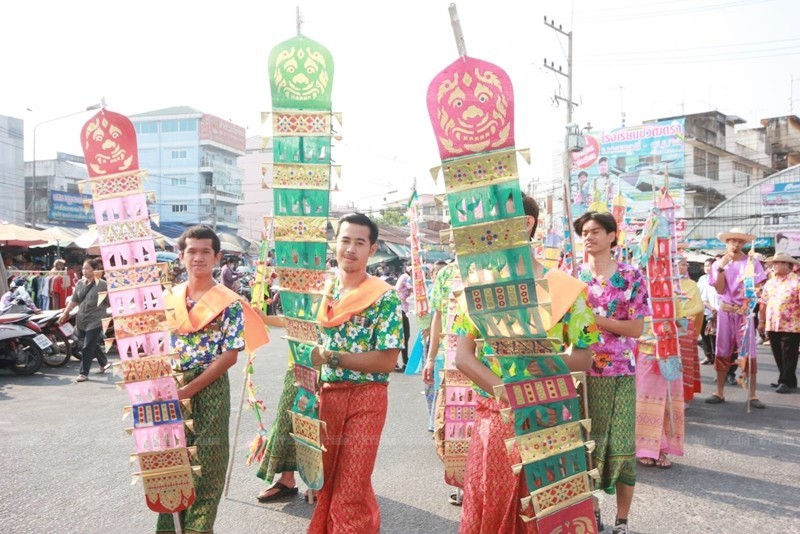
(256, 167)
(783, 135)
(191, 157)
(12, 171)
(56, 200)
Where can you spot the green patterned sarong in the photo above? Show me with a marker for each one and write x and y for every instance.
(211, 409)
(279, 455)
(612, 408)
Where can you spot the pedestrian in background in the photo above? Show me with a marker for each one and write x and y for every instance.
(780, 300)
(89, 322)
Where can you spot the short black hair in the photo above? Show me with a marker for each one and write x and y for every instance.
(199, 231)
(602, 159)
(531, 208)
(606, 220)
(361, 220)
(583, 173)
(95, 263)
(778, 237)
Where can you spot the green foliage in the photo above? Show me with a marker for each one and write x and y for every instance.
(392, 217)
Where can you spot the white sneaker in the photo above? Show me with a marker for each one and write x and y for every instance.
(622, 528)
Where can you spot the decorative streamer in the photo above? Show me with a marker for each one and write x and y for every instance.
(137, 307)
(302, 126)
(421, 306)
(471, 108)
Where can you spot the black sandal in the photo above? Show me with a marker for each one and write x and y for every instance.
(283, 491)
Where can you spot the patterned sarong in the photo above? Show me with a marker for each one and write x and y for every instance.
(354, 415)
(492, 491)
(612, 408)
(659, 415)
(279, 455)
(689, 361)
(211, 409)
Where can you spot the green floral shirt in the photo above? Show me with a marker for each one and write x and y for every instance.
(440, 294)
(201, 348)
(379, 327)
(576, 328)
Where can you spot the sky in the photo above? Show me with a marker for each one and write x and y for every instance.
(648, 59)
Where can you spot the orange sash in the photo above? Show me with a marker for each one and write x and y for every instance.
(213, 302)
(337, 312)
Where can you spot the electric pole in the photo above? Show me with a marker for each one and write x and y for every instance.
(572, 132)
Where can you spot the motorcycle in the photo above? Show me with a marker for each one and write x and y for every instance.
(59, 336)
(21, 348)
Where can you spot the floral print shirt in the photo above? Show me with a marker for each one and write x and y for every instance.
(782, 297)
(441, 294)
(622, 297)
(576, 328)
(199, 349)
(379, 327)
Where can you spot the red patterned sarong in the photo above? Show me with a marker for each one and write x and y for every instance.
(689, 361)
(492, 491)
(354, 415)
(659, 411)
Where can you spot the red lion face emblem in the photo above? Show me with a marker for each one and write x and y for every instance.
(471, 105)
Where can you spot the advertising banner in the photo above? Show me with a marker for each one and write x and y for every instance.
(779, 204)
(624, 167)
(69, 207)
(788, 242)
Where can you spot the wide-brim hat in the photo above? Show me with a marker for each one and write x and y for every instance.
(735, 233)
(782, 257)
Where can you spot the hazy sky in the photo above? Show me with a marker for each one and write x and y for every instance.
(656, 59)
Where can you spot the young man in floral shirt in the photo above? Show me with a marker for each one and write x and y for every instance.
(362, 334)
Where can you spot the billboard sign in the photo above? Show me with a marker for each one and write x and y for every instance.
(68, 207)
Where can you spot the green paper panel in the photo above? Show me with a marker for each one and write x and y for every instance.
(300, 352)
(516, 369)
(301, 74)
(310, 401)
(502, 266)
(533, 418)
(301, 150)
(513, 323)
(496, 298)
(300, 255)
(558, 467)
(301, 202)
(484, 204)
(300, 305)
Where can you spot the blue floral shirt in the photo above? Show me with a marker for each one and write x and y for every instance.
(199, 349)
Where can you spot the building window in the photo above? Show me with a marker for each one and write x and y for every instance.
(178, 181)
(742, 174)
(188, 125)
(706, 164)
(178, 154)
(179, 208)
(148, 127)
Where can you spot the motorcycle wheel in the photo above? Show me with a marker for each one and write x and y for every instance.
(34, 357)
(63, 349)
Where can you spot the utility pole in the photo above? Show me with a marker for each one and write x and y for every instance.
(214, 208)
(572, 131)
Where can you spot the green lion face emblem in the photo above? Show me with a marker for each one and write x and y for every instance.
(301, 74)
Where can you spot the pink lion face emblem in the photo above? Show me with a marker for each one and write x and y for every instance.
(471, 105)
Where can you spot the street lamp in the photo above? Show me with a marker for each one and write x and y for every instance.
(99, 105)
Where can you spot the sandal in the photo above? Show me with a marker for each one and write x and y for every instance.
(104, 368)
(715, 399)
(454, 498)
(663, 462)
(646, 462)
(755, 403)
(283, 491)
(82, 378)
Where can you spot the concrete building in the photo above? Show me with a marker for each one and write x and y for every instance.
(12, 171)
(57, 202)
(256, 166)
(191, 157)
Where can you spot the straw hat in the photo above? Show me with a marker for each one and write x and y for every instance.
(735, 233)
(782, 257)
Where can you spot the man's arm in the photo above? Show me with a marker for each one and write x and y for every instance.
(374, 361)
(433, 347)
(621, 327)
(211, 373)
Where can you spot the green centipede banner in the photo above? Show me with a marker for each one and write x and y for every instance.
(521, 333)
(301, 77)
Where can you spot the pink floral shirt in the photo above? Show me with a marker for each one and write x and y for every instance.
(782, 297)
(623, 297)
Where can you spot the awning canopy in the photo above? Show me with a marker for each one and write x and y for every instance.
(379, 257)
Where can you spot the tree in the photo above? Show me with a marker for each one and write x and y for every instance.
(392, 217)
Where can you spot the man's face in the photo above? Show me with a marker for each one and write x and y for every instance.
(603, 167)
(199, 257)
(87, 271)
(734, 246)
(595, 238)
(781, 268)
(353, 248)
(683, 267)
(707, 266)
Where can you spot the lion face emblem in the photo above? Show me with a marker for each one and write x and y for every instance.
(301, 71)
(471, 108)
(109, 144)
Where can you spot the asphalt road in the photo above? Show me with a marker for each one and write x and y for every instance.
(64, 462)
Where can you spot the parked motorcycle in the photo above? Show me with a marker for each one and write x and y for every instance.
(21, 348)
(60, 336)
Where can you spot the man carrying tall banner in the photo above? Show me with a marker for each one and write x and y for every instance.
(210, 324)
(360, 340)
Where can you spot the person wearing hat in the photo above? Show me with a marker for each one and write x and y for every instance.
(727, 278)
(781, 300)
